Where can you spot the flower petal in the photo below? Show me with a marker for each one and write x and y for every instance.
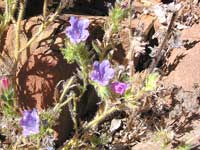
(109, 74)
(119, 87)
(30, 122)
(102, 72)
(77, 32)
(83, 24)
(84, 35)
(73, 20)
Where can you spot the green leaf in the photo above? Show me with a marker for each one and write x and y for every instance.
(103, 92)
(150, 83)
(184, 147)
(96, 48)
(128, 94)
(116, 16)
(95, 140)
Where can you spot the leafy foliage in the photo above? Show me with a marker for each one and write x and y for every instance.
(116, 15)
(8, 102)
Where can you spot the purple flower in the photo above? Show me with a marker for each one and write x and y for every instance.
(77, 32)
(30, 122)
(119, 87)
(102, 72)
(5, 82)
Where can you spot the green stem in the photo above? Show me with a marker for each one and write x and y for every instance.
(45, 9)
(75, 115)
(66, 88)
(90, 125)
(17, 41)
(58, 106)
(131, 43)
(6, 10)
(85, 76)
(38, 142)
(98, 119)
(17, 32)
(106, 40)
(14, 6)
(43, 27)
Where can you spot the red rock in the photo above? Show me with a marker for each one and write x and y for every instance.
(187, 73)
(191, 34)
(39, 75)
(147, 146)
(2, 4)
(144, 24)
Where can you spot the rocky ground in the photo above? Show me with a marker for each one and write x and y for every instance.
(169, 118)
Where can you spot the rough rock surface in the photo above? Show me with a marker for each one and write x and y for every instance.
(143, 25)
(187, 72)
(1, 4)
(147, 146)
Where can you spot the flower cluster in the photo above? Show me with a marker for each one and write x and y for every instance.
(30, 122)
(102, 74)
(77, 32)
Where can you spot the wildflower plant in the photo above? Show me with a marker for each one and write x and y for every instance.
(116, 92)
(117, 14)
(111, 28)
(32, 123)
(109, 85)
(75, 50)
(7, 96)
(101, 75)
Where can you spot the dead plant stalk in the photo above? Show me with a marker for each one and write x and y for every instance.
(159, 54)
(131, 48)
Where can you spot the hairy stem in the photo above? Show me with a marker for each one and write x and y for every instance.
(90, 125)
(6, 9)
(66, 88)
(106, 40)
(131, 47)
(60, 105)
(98, 119)
(43, 26)
(74, 118)
(17, 30)
(45, 9)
